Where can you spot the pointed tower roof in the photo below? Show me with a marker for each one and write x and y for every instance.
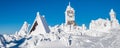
(112, 11)
(39, 26)
(69, 6)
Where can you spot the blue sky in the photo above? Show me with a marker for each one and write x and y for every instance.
(13, 13)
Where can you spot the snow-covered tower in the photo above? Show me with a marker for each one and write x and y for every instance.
(69, 15)
(114, 21)
(112, 15)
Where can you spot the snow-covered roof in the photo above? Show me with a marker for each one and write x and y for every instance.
(39, 26)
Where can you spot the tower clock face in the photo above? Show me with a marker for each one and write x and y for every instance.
(70, 13)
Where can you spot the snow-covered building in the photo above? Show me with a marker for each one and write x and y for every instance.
(70, 15)
(104, 25)
(70, 24)
(39, 26)
(114, 21)
(24, 29)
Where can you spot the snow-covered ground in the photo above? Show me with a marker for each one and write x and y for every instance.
(58, 38)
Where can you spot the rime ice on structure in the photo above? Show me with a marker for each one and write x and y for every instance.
(104, 25)
(69, 15)
(24, 29)
(114, 21)
(39, 26)
(69, 19)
